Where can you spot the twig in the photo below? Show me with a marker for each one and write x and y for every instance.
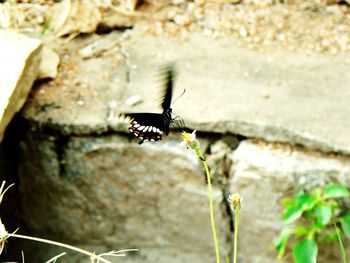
(93, 256)
(56, 257)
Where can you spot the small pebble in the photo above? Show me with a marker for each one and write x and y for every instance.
(80, 103)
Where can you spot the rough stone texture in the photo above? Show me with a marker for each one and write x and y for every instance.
(93, 189)
(49, 63)
(228, 90)
(263, 174)
(20, 58)
(74, 16)
(107, 192)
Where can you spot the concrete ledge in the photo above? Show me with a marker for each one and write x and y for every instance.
(277, 96)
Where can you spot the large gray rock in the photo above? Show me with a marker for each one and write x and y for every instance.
(107, 192)
(49, 64)
(20, 59)
(264, 174)
(288, 97)
(100, 185)
(74, 16)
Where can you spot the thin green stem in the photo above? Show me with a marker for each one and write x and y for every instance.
(199, 154)
(342, 249)
(235, 241)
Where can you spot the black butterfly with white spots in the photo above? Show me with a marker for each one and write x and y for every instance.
(151, 126)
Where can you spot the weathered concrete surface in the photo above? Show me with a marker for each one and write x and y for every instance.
(67, 17)
(49, 64)
(100, 184)
(20, 59)
(264, 174)
(105, 191)
(279, 96)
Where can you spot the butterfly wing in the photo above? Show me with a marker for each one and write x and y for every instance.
(150, 126)
(168, 74)
(146, 126)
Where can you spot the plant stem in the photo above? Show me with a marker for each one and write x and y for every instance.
(342, 249)
(59, 244)
(199, 154)
(235, 241)
(82, 251)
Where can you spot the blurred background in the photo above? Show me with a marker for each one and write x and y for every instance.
(266, 89)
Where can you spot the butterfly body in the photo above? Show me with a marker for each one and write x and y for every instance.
(151, 126)
(167, 120)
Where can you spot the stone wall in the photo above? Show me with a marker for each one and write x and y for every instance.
(265, 173)
(267, 128)
(108, 192)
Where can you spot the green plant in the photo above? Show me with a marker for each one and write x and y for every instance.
(235, 201)
(190, 140)
(313, 216)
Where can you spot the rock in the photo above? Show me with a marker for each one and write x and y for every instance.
(229, 1)
(20, 58)
(221, 95)
(218, 162)
(109, 192)
(119, 18)
(177, 2)
(264, 174)
(49, 63)
(127, 4)
(96, 48)
(74, 16)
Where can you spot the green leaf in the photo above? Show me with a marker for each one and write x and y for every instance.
(306, 201)
(333, 204)
(282, 242)
(301, 230)
(317, 227)
(295, 207)
(287, 202)
(305, 251)
(292, 214)
(323, 214)
(345, 223)
(335, 191)
(317, 192)
(328, 236)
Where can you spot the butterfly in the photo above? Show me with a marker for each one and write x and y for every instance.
(151, 126)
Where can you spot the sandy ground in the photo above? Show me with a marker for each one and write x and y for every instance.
(307, 25)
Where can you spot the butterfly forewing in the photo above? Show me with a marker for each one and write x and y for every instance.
(168, 75)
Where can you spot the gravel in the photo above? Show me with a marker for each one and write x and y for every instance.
(321, 26)
(314, 26)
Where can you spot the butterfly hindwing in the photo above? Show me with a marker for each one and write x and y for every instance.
(146, 126)
(150, 126)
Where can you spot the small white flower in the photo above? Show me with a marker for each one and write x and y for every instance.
(235, 201)
(189, 139)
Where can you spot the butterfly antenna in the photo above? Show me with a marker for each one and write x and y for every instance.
(178, 97)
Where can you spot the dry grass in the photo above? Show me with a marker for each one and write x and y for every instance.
(94, 258)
